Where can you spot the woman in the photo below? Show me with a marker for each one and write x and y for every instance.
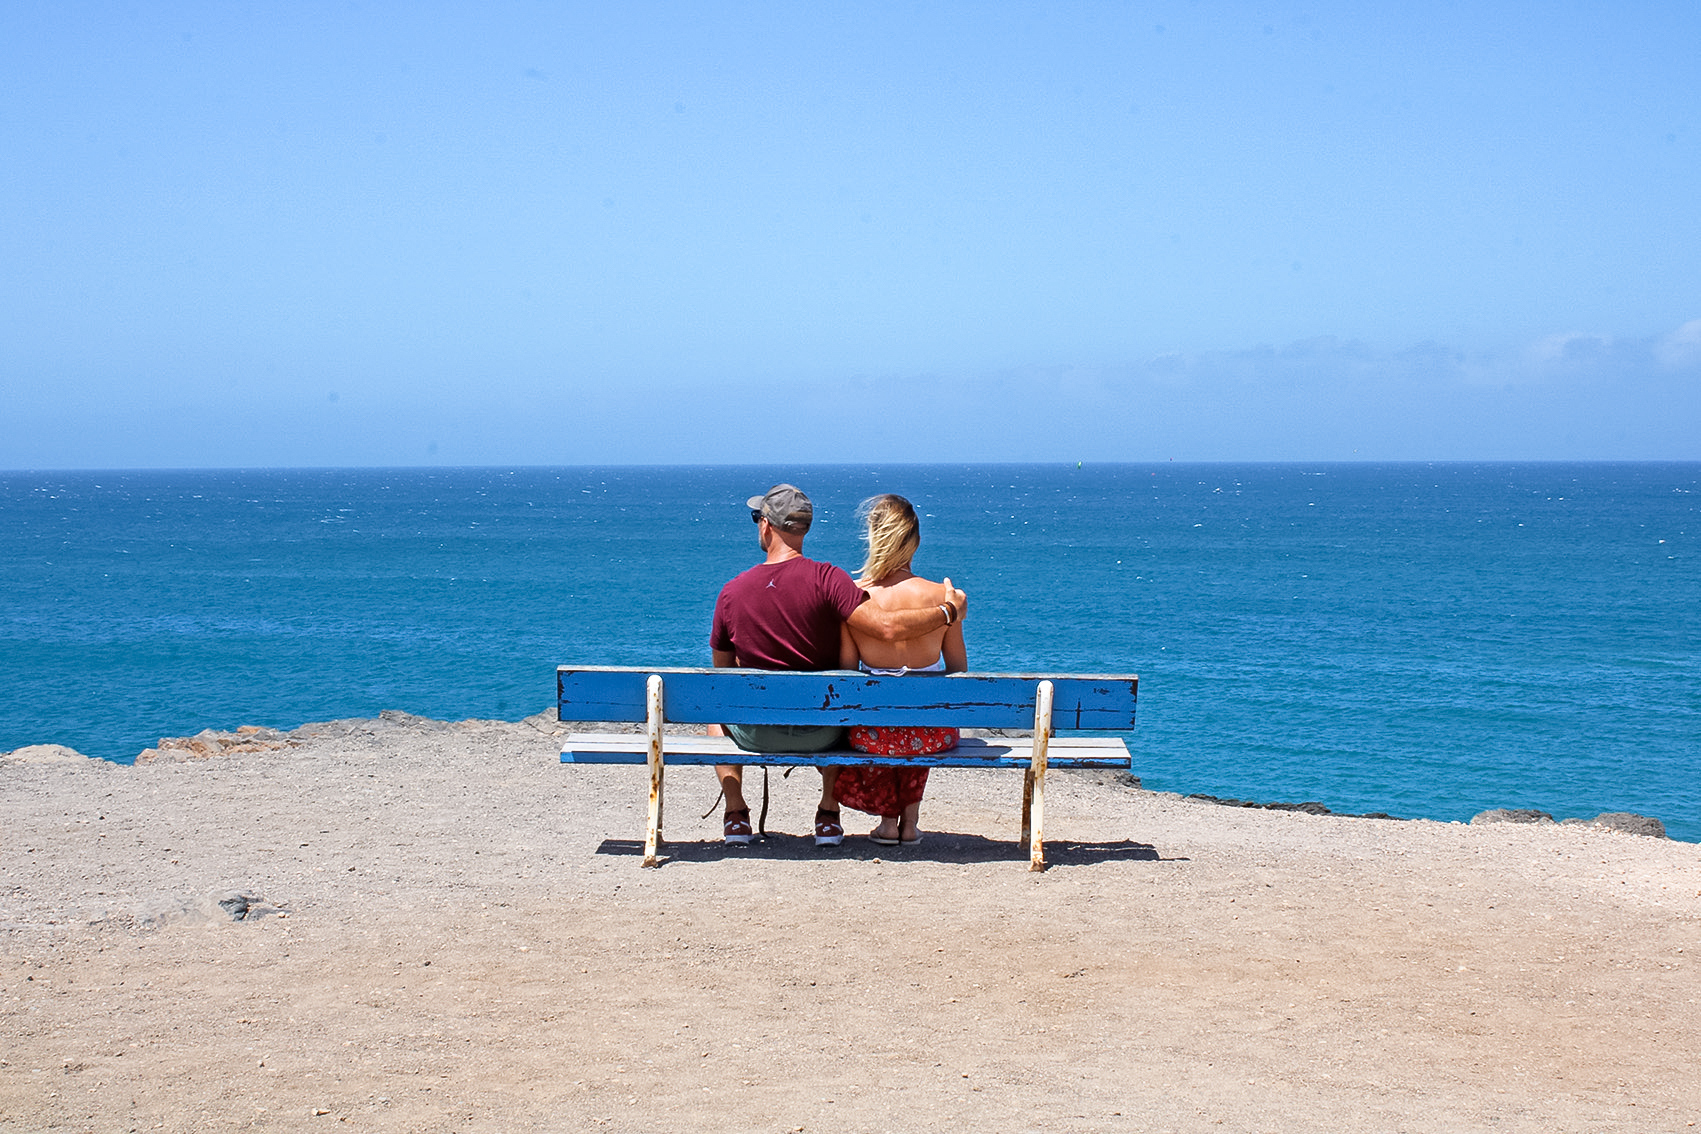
(893, 534)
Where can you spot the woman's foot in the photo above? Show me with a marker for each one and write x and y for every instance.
(887, 834)
(909, 825)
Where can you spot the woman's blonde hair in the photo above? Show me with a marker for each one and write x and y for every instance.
(892, 534)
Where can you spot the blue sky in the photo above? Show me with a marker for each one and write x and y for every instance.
(246, 234)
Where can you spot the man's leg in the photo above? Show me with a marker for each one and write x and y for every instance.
(780, 738)
(732, 783)
(735, 826)
(829, 832)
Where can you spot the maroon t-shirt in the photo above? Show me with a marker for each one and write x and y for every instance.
(785, 615)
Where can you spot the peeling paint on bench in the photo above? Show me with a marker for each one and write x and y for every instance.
(1037, 702)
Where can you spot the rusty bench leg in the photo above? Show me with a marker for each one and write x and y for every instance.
(1028, 804)
(653, 727)
(1034, 789)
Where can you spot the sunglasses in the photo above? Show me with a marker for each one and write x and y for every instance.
(755, 516)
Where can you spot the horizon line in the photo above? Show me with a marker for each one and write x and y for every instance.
(1427, 461)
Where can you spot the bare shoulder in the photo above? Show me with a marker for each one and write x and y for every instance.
(914, 591)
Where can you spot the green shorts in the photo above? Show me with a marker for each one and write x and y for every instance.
(786, 738)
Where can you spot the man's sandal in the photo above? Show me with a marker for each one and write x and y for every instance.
(828, 831)
(736, 827)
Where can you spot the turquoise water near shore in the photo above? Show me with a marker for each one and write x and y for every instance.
(1426, 640)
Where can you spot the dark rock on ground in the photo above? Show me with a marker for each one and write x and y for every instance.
(1511, 815)
(1630, 823)
(243, 906)
(1310, 808)
(236, 905)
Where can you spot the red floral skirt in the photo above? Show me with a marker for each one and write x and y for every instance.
(914, 741)
(886, 791)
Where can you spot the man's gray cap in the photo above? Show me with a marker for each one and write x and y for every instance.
(786, 507)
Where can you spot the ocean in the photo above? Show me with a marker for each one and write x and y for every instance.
(1428, 640)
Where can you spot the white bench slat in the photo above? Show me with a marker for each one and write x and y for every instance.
(971, 752)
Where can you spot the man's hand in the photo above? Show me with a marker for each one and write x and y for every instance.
(907, 622)
(958, 599)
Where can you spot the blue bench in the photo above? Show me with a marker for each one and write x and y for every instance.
(1041, 703)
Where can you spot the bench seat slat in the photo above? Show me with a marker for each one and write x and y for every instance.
(972, 752)
(842, 697)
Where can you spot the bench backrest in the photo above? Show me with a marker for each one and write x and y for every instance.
(843, 697)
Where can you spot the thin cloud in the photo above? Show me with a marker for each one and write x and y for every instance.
(1680, 350)
(1326, 360)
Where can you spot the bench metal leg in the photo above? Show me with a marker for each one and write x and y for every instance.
(1028, 804)
(1034, 790)
(653, 727)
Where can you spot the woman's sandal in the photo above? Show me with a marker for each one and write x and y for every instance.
(884, 840)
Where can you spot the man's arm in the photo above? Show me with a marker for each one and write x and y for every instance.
(908, 622)
(848, 653)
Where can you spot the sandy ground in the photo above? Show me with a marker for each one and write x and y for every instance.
(449, 931)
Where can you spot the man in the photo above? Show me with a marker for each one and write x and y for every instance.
(785, 613)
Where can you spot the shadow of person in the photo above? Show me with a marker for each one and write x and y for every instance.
(935, 846)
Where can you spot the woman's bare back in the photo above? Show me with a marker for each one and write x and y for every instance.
(901, 590)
